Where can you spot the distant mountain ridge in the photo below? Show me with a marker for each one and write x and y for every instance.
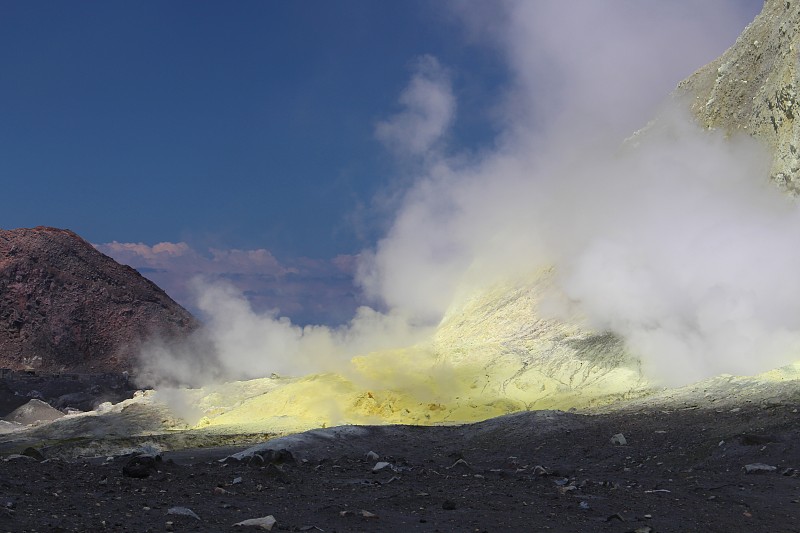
(64, 306)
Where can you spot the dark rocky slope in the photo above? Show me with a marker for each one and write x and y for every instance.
(64, 306)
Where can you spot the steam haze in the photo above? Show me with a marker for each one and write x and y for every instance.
(674, 239)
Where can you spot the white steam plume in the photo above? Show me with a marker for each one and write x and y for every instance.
(673, 240)
(239, 343)
(428, 111)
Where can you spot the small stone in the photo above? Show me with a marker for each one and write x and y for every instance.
(183, 511)
(460, 464)
(265, 522)
(255, 461)
(17, 457)
(33, 453)
(139, 466)
(367, 514)
(585, 506)
(277, 456)
(619, 439)
(754, 468)
(539, 470)
(372, 456)
(380, 466)
(236, 480)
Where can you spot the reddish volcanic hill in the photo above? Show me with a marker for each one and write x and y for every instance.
(66, 306)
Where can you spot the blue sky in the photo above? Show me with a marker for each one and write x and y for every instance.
(242, 135)
(244, 124)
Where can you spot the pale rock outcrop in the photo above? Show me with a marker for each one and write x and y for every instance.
(753, 87)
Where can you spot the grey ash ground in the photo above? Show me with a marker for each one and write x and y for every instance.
(682, 469)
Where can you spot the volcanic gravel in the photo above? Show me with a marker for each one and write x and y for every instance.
(681, 469)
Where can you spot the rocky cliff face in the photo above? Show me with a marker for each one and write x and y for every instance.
(66, 306)
(753, 88)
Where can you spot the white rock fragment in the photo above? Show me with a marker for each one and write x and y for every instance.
(539, 470)
(380, 466)
(265, 522)
(619, 439)
(372, 456)
(460, 463)
(754, 468)
(183, 511)
(17, 457)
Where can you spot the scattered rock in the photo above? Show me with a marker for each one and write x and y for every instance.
(33, 453)
(256, 461)
(265, 522)
(619, 439)
(755, 468)
(539, 470)
(140, 466)
(372, 456)
(277, 457)
(381, 465)
(367, 514)
(566, 488)
(18, 457)
(183, 511)
(461, 464)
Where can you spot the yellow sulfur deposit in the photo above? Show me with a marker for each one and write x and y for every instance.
(492, 355)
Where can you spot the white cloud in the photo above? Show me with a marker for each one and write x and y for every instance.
(428, 111)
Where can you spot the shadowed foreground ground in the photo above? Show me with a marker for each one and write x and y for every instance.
(682, 469)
